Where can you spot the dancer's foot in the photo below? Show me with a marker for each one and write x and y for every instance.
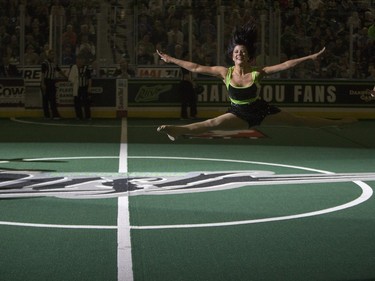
(167, 130)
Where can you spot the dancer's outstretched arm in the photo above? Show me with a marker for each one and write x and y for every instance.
(217, 71)
(290, 63)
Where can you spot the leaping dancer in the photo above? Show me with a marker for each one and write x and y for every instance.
(247, 109)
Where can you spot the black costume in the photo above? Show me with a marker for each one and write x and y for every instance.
(80, 77)
(49, 92)
(246, 103)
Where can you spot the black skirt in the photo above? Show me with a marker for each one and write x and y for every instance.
(253, 113)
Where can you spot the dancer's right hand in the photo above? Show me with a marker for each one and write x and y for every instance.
(164, 57)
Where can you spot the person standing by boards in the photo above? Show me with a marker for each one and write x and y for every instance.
(188, 96)
(48, 85)
(80, 77)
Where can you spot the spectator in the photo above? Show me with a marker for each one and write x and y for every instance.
(86, 49)
(39, 37)
(369, 19)
(30, 41)
(354, 21)
(73, 18)
(69, 37)
(360, 38)
(143, 57)
(57, 9)
(198, 54)
(123, 71)
(4, 36)
(344, 66)
(209, 45)
(159, 34)
(58, 14)
(84, 32)
(68, 55)
(88, 28)
(43, 54)
(8, 69)
(155, 8)
(31, 57)
(206, 28)
(305, 13)
(170, 17)
(175, 35)
(347, 7)
(144, 25)
(339, 49)
(43, 15)
(178, 52)
(331, 9)
(327, 34)
(13, 48)
(185, 24)
(147, 44)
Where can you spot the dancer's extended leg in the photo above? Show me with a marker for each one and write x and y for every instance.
(227, 121)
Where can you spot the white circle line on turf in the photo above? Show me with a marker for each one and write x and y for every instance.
(77, 125)
(68, 226)
(63, 124)
(69, 158)
(365, 195)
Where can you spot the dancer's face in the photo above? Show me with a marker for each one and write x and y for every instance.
(240, 54)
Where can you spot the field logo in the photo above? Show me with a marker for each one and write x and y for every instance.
(35, 184)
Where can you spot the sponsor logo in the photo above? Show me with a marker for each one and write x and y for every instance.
(11, 94)
(147, 94)
(365, 95)
(158, 72)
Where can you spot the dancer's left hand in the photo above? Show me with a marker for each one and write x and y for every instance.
(316, 55)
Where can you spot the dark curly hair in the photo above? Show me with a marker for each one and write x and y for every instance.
(245, 35)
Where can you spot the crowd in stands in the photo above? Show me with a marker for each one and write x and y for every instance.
(76, 18)
(306, 26)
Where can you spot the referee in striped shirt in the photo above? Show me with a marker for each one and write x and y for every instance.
(48, 85)
(80, 77)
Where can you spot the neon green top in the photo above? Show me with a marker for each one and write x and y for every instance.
(242, 95)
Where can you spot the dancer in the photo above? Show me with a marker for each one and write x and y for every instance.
(247, 109)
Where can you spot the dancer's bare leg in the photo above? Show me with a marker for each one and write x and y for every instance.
(288, 119)
(227, 121)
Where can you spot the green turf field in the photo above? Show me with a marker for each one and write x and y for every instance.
(112, 199)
